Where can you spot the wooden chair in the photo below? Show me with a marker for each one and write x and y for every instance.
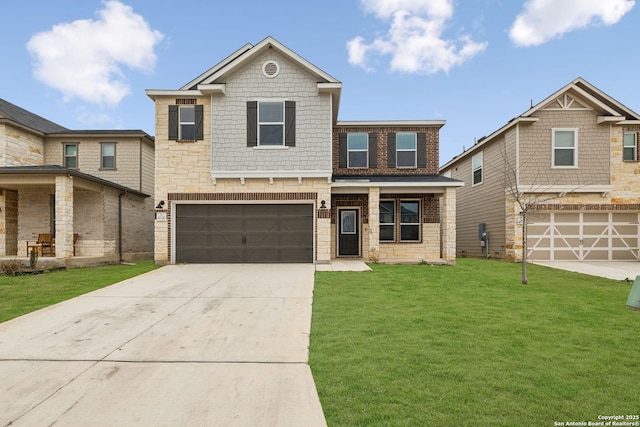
(44, 245)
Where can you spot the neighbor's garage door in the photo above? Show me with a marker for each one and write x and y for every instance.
(583, 236)
(244, 233)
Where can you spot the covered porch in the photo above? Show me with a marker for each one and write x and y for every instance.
(80, 214)
(394, 219)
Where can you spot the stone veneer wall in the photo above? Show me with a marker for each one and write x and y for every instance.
(20, 148)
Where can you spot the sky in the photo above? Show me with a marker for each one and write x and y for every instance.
(474, 63)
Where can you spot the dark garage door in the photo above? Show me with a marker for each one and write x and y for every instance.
(244, 233)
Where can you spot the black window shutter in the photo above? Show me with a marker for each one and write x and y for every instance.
(173, 122)
(373, 150)
(252, 123)
(422, 150)
(290, 123)
(391, 150)
(199, 122)
(342, 150)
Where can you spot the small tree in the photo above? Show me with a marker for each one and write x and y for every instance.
(33, 258)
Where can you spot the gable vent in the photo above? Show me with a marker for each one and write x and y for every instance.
(270, 69)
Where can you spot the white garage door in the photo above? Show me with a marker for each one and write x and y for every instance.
(583, 236)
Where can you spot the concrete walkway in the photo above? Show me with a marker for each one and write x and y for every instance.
(197, 345)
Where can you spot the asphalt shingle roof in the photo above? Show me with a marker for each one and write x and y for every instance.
(28, 119)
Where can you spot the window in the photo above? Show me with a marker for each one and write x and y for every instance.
(70, 156)
(271, 123)
(108, 157)
(409, 221)
(406, 150)
(477, 163)
(564, 147)
(630, 150)
(187, 123)
(387, 221)
(357, 149)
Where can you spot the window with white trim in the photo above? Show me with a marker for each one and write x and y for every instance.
(630, 149)
(70, 156)
(406, 149)
(357, 150)
(565, 146)
(477, 165)
(108, 155)
(270, 123)
(187, 123)
(387, 221)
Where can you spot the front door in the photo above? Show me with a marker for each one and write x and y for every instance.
(348, 233)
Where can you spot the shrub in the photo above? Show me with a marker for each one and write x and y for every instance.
(10, 267)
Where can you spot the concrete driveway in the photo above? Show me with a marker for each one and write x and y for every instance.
(197, 345)
(616, 270)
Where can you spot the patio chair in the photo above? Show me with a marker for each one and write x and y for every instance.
(75, 240)
(44, 245)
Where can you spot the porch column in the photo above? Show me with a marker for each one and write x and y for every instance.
(323, 226)
(64, 216)
(374, 224)
(3, 224)
(448, 224)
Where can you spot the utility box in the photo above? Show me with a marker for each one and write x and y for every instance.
(633, 302)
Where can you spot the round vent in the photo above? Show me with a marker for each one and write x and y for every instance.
(271, 69)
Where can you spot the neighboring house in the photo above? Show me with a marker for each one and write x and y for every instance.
(576, 154)
(253, 166)
(94, 184)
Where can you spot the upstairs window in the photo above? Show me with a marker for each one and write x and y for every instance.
(406, 148)
(477, 163)
(186, 122)
(630, 150)
(108, 155)
(187, 126)
(565, 145)
(70, 156)
(357, 149)
(270, 123)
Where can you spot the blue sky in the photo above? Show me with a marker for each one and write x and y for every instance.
(474, 63)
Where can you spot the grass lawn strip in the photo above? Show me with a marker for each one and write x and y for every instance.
(470, 345)
(23, 294)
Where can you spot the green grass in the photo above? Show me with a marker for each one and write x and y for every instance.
(470, 345)
(23, 294)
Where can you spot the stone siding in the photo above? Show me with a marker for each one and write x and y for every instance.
(19, 147)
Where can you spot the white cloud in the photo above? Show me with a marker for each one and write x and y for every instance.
(84, 59)
(415, 37)
(543, 20)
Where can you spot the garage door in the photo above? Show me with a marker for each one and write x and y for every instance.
(583, 236)
(244, 233)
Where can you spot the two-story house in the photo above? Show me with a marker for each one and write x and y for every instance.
(573, 159)
(90, 190)
(252, 165)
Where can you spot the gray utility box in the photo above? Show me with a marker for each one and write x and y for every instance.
(633, 301)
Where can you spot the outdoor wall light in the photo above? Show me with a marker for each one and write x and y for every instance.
(323, 205)
(160, 205)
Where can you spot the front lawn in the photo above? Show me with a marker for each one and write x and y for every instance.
(23, 294)
(469, 345)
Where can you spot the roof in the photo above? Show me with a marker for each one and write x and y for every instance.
(613, 111)
(391, 123)
(60, 170)
(419, 180)
(26, 118)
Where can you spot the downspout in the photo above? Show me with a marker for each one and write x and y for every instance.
(120, 227)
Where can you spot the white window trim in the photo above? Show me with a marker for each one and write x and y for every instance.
(553, 148)
(282, 101)
(415, 150)
(366, 150)
(635, 146)
(181, 122)
(386, 224)
(479, 155)
(400, 223)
